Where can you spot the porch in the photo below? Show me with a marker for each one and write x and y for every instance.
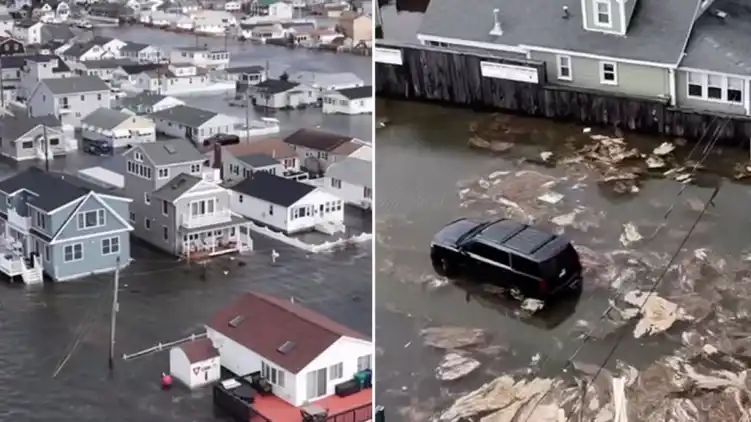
(13, 262)
(354, 408)
(217, 239)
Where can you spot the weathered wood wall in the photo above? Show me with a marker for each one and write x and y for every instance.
(454, 77)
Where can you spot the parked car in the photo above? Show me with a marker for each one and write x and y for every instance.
(222, 139)
(117, 93)
(514, 255)
(97, 147)
(84, 24)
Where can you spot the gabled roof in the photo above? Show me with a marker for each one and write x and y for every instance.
(105, 118)
(357, 93)
(657, 31)
(258, 160)
(276, 148)
(722, 44)
(106, 63)
(174, 151)
(133, 69)
(144, 98)
(75, 85)
(264, 324)
(275, 86)
(176, 187)
(79, 49)
(316, 139)
(52, 191)
(353, 170)
(244, 69)
(133, 46)
(14, 126)
(185, 115)
(55, 32)
(274, 189)
(199, 350)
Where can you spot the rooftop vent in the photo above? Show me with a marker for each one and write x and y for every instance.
(720, 14)
(286, 347)
(497, 30)
(565, 12)
(236, 321)
(170, 148)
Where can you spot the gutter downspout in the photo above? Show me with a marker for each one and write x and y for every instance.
(672, 78)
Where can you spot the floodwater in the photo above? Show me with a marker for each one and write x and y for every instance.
(63, 328)
(423, 162)
(279, 59)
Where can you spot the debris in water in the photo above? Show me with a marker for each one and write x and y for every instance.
(454, 366)
(478, 142)
(532, 305)
(498, 146)
(630, 234)
(497, 174)
(587, 130)
(452, 337)
(565, 219)
(546, 156)
(655, 162)
(658, 313)
(551, 197)
(664, 149)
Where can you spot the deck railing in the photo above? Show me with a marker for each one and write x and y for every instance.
(359, 414)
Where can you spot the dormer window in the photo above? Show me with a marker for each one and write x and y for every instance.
(138, 156)
(603, 13)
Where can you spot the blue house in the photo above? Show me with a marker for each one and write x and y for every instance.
(54, 224)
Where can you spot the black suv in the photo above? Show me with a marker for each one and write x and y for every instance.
(512, 254)
(97, 147)
(222, 139)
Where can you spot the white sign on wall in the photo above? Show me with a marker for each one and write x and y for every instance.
(509, 71)
(387, 55)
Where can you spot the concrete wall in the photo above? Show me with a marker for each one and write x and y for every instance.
(636, 80)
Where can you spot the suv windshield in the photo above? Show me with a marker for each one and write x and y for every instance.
(468, 235)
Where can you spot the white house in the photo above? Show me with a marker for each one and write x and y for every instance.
(23, 137)
(235, 164)
(349, 101)
(193, 124)
(69, 99)
(352, 180)
(303, 354)
(142, 53)
(323, 82)
(110, 44)
(148, 102)
(85, 51)
(29, 33)
(177, 79)
(232, 6)
(201, 57)
(281, 11)
(213, 22)
(117, 128)
(287, 205)
(317, 149)
(281, 94)
(195, 363)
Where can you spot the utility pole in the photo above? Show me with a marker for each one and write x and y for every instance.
(247, 114)
(46, 149)
(115, 309)
(2, 85)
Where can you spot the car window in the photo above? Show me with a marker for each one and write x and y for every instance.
(524, 265)
(489, 252)
(567, 259)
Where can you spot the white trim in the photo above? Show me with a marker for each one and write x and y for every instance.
(73, 253)
(596, 14)
(189, 194)
(55, 239)
(724, 87)
(86, 236)
(146, 226)
(476, 44)
(111, 252)
(159, 169)
(604, 81)
(622, 9)
(146, 198)
(570, 67)
(695, 70)
(97, 225)
(116, 198)
(99, 271)
(747, 104)
(672, 82)
(596, 56)
(61, 206)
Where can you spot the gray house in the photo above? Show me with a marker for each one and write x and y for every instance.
(69, 99)
(244, 166)
(689, 53)
(52, 222)
(179, 205)
(22, 137)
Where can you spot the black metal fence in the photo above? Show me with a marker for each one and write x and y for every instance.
(359, 414)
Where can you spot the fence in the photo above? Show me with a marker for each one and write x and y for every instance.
(444, 75)
(312, 248)
(359, 414)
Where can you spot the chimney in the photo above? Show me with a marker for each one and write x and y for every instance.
(497, 30)
(218, 159)
(565, 12)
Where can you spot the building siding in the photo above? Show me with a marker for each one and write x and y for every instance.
(637, 80)
(93, 261)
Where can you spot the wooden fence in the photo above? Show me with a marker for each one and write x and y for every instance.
(448, 76)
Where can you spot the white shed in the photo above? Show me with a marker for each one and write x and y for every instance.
(195, 363)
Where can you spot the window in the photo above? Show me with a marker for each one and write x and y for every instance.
(695, 85)
(525, 266)
(202, 207)
(138, 156)
(490, 253)
(163, 173)
(363, 363)
(603, 13)
(714, 87)
(271, 209)
(54, 141)
(27, 144)
(73, 252)
(240, 199)
(564, 68)
(165, 233)
(91, 219)
(323, 155)
(336, 183)
(367, 192)
(83, 98)
(146, 198)
(147, 223)
(41, 221)
(608, 73)
(316, 383)
(336, 371)
(132, 217)
(165, 207)
(110, 245)
(735, 90)
(47, 252)
(99, 97)
(195, 168)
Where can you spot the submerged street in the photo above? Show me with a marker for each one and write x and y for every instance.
(625, 229)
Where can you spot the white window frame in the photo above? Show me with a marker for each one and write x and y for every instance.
(73, 252)
(147, 223)
(166, 172)
(559, 66)
(146, 198)
(609, 6)
(109, 242)
(369, 362)
(724, 87)
(81, 219)
(336, 371)
(165, 208)
(195, 168)
(703, 77)
(138, 156)
(602, 73)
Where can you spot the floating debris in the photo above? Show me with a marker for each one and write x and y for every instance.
(655, 162)
(453, 337)
(565, 219)
(551, 197)
(665, 148)
(630, 234)
(454, 366)
(546, 156)
(532, 305)
(587, 130)
(658, 313)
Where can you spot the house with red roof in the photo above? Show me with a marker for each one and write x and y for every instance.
(303, 355)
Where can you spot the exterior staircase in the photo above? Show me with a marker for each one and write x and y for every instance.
(33, 274)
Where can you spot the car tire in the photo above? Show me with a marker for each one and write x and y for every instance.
(444, 267)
